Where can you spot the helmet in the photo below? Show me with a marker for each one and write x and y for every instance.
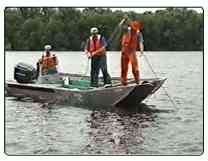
(47, 47)
(94, 30)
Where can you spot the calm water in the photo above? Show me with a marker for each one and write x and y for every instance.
(33, 129)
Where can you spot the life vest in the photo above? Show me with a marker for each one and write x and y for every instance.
(94, 44)
(48, 63)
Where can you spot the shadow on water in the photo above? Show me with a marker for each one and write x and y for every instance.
(141, 108)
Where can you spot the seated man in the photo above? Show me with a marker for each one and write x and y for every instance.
(48, 63)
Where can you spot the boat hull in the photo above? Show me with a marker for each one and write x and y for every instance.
(115, 96)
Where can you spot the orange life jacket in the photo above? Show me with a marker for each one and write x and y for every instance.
(49, 62)
(94, 45)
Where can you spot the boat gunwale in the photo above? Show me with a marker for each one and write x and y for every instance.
(56, 91)
(52, 87)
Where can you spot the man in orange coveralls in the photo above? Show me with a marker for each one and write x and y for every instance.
(131, 41)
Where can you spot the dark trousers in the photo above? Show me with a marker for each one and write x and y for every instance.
(97, 63)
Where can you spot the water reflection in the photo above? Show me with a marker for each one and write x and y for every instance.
(116, 132)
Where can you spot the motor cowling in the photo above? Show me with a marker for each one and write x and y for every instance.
(24, 73)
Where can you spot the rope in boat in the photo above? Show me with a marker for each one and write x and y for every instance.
(166, 93)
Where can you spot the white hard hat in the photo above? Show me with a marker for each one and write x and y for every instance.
(94, 30)
(47, 47)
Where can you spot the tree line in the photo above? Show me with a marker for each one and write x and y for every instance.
(66, 29)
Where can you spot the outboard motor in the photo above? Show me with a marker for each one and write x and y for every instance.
(24, 73)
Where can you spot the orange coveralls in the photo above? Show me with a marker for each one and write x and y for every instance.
(128, 52)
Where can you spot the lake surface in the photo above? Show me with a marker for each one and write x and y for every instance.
(33, 129)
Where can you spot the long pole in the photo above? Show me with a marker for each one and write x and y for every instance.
(116, 31)
(166, 93)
